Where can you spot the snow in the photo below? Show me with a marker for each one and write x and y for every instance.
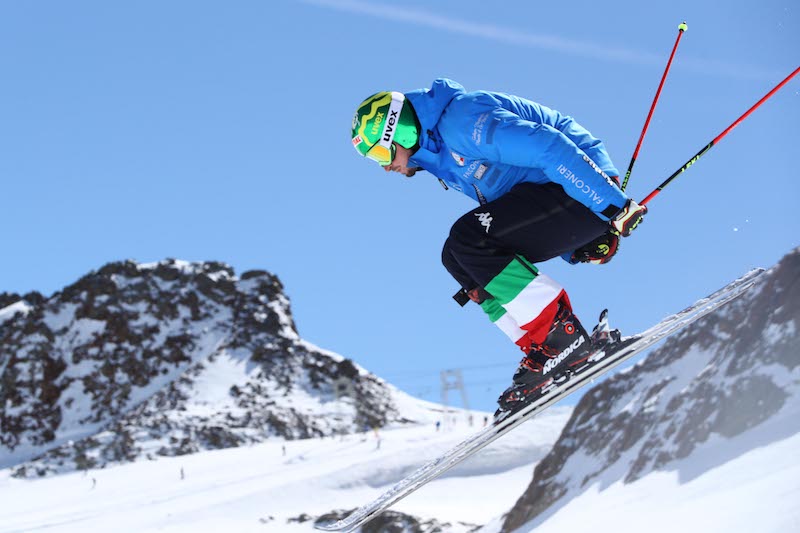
(186, 267)
(758, 491)
(9, 311)
(224, 368)
(258, 488)
(62, 318)
(754, 487)
(83, 331)
(280, 306)
(748, 483)
(774, 333)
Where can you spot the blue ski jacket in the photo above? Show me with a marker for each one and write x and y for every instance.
(483, 143)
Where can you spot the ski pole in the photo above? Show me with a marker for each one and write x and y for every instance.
(681, 28)
(708, 147)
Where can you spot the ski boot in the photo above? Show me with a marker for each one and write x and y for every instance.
(602, 337)
(567, 344)
(602, 334)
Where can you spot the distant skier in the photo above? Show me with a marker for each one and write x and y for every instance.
(547, 188)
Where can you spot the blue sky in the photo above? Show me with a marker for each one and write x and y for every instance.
(220, 131)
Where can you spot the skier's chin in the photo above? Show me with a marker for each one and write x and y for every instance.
(402, 170)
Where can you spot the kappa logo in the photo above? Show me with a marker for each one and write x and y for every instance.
(485, 219)
(459, 158)
(554, 362)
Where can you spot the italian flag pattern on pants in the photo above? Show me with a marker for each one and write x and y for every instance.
(525, 302)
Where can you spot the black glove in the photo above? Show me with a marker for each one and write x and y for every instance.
(599, 251)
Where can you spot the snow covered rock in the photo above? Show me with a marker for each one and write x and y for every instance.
(728, 384)
(394, 521)
(138, 360)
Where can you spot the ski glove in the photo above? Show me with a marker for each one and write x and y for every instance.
(628, 218)
(599, 251)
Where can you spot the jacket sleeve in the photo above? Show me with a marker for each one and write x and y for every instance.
(513, 141)
(591, 145)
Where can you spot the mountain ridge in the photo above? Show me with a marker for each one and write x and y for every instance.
(136, 360)
(719, 379)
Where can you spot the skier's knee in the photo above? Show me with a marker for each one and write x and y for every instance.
(467, 233)
(448, 257)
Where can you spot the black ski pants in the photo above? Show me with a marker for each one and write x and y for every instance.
(536, 221)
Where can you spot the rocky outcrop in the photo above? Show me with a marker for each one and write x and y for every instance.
(138, 360)
(724, 376)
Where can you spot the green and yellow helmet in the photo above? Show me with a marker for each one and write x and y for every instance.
(380, 119)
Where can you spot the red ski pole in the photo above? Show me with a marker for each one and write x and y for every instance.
(708, 147)
(681, 28)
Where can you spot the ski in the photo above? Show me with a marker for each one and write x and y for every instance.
(600, 362)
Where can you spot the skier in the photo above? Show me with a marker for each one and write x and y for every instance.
(546, 188)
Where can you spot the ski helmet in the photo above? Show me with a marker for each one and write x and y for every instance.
(380, 119)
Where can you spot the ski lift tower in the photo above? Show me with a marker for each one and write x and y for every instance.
(452, 380)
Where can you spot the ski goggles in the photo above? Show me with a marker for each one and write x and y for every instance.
(384, 150)
(381, 154)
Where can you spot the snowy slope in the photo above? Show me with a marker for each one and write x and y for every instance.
(258, 488)
(138, 374)
(757, 491)
(703, 433)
